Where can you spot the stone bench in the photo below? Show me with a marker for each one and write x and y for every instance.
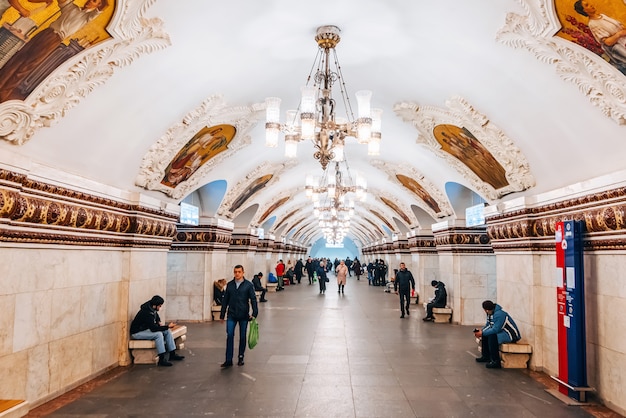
(13, 408)
(144, 351)
(442, 315)
(515, 355)
(271, 287)
(215, 309)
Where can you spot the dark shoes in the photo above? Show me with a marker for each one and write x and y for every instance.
(408, 313)
(164, 363)
(264, 300)
(226, 364)
(240, 362)
(494, 365)
(428, 318)
(402, 316)
(176, 357)
(482, 360)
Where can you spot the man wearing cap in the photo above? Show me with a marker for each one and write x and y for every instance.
(148, 326)
(499, 328)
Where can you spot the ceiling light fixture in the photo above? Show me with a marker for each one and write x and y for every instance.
(316, 119)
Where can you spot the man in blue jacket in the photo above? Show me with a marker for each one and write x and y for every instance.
(238, 297)
(499, 328)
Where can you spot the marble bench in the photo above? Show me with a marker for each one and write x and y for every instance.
(515, 355)
(13, 408)
(271, 287)
(215, 309)
(442, 315)
(144, 351)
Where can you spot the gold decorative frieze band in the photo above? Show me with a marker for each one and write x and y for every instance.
(463, 240)
(422, 244)
(201, 238)
(36, 212)
(533, 229)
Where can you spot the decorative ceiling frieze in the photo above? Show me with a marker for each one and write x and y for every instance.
(407, 170)
(535, 31)
(246, 184)
(211, 112)
(132, 34)
(460, 113)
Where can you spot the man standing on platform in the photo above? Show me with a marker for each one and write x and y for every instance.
(404, 282)
(238, 297)
(310, 269)
(280, 274)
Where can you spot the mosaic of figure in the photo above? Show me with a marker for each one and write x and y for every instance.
(462, 145)
(254, 187)
(272, 208)
(396, 209)
(418, 190)
(382, 218)
(204, 145)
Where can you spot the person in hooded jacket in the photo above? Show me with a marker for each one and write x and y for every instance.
(499, 329)
(147, 325)
(405, 282)
(439, 301)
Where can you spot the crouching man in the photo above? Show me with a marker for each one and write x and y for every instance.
(499, 328)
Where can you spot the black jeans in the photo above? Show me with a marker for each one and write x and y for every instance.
(405, 299)
(429, 309)
(490, 347)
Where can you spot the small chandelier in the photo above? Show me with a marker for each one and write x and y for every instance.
(336, 187)
(315, 119)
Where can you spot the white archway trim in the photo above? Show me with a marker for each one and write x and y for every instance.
(602, 83)
(213, 111)
(462, 114)
(242, 185)
(132, 35)
(408, 171)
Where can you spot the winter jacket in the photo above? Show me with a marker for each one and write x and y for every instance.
(441, 296)
(404, 280)
(502, 324)
(237, 301)
(147, 318)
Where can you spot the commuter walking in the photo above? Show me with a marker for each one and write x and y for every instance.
(402, 285)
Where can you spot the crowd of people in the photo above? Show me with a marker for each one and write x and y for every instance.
(238, 301)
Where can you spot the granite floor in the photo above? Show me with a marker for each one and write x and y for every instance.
(332, 355)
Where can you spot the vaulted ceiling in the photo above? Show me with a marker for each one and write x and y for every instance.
(543, 113)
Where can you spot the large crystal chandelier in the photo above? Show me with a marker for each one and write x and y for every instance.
(315, 119)
(331, 205)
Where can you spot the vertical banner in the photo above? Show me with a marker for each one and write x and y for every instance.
(571, 307)
(561, 306)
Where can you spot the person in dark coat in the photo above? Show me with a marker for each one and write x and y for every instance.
(321, 276)
(147, 325)
(258, 287)
(310, 269)
(402, 285)
(440, 300)
(238, 297)
(298, 270)
(356, 266)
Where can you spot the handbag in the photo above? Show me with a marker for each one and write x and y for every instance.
(253, 333)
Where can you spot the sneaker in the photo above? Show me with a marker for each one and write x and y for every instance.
(240, 362)
(428, 319)
(226, 364)
(482, 360)
(494, 365)
(176, 357)
(264, 300)
(408, 313)
(402, 316)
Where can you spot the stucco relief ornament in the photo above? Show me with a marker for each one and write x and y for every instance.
(460, 113)
(213, 111)
(247, 181)
(406, 210)
(132, 35)
(294, 220)
(256, 220)
(535, 31)
(430, 187)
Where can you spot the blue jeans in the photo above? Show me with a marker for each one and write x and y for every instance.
(163, 340)
(230, 337)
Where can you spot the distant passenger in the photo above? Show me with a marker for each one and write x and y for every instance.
(258, 287)
(499, 329)
(219, 286)
(439, 301)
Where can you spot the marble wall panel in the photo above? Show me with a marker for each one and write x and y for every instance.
(105, 348)
(32, 319)
(610, 382)
(94, 306)
(7, 320)
(65, 314)
(13, 369)
(71, 360)
(38, 373)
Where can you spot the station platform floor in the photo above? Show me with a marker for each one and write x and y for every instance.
(330, 355)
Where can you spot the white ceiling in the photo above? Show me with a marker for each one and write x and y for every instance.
(425, 52)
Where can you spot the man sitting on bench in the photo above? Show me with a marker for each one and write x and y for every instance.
(499, 328)
(148, 326)
(439, 301)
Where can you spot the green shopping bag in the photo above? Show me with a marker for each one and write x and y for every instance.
(314, 276)
(253, 333)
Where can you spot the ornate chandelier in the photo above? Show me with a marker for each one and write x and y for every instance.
(316, 119)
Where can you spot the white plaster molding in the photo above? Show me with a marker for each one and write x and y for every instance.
(211, 112)
(243, 184)
(301, 207)
(256, 221)
(602, 83)
(132, 35)
(430, 187)
(384, 212)
(460, 113)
